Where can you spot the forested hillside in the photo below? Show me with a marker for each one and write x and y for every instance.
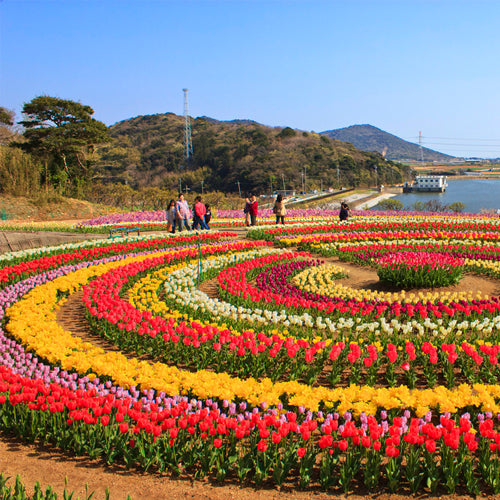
(228, 156)
(64, 151)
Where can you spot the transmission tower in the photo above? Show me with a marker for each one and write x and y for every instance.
(187, 139)
(421, 148)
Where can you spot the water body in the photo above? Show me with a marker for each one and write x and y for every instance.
(476, 194)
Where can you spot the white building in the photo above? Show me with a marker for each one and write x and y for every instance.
(428, 183)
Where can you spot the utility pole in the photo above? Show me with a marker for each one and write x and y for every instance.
(187, 189)
(303, 189)
(239, 188)
(202, 190)
(271, 181)
(180, 185)
(283, 179)
(338, 176)
(421, 148)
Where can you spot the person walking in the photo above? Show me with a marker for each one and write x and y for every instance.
(199, 211)
(170, 215)
(182, 213)
(253, 209)
(279, 209)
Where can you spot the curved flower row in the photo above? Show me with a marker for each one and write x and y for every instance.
(432, 225)
(21, 266)
(281, 294)
(263, 444)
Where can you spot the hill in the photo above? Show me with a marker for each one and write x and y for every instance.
(370, 138)
(236, 155)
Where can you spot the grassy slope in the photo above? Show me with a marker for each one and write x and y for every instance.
(25, 209)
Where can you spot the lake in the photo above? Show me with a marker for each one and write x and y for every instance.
(476, 194)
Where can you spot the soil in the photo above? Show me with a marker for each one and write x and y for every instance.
(42, 463)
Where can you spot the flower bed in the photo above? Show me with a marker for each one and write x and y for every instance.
(287, 376)
(420, 269)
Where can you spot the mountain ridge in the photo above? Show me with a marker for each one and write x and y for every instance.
(370, 138)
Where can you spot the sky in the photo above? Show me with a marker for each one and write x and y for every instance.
(408, 67)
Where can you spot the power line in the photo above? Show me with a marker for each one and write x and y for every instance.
(461, 144)
(452, 139)
(475, 147)
(458, 139)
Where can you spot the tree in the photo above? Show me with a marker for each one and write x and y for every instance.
(456, 207)
(391, 204)
(6, 116)
(65, 132)
(287, 132)
(6, 124)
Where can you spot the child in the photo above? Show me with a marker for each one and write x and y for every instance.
(170, 216)
(208, 214)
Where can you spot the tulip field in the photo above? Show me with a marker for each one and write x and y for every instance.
(253, 360)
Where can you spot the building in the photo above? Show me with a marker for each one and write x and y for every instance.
(427, 183)
(285, 192)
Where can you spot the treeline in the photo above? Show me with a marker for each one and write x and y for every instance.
(62, 149)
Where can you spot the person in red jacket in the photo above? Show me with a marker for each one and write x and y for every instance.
(199, 214)
(253, 210)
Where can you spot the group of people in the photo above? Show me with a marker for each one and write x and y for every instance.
(279, 210)
(178, 214)
(251, 210)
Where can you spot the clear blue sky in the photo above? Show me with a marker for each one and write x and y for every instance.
(401, 65)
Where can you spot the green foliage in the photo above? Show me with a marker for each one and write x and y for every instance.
(391, 204)
(287, 132)
(18, 491)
